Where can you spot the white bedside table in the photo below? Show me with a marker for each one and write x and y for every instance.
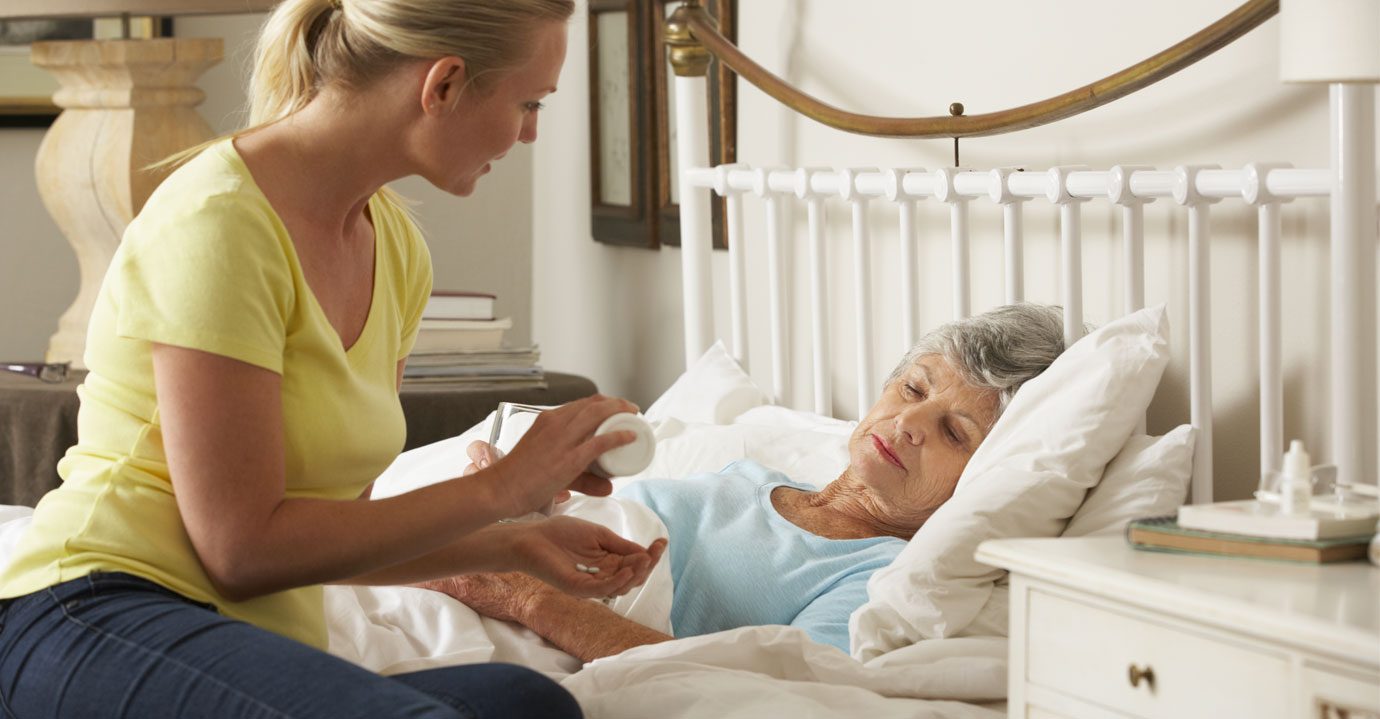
(1102, 630)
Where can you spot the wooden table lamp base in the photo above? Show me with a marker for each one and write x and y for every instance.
(126, 104)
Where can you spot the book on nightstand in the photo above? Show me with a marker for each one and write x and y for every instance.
(1164, 534)
(460, 335)
(459, 305)
(500, 368)
(1323, 520)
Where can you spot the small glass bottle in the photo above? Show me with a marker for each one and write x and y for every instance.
(1296, 486)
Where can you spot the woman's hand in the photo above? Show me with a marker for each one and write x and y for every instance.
(482, 455)
(550, 550)
(556, 452)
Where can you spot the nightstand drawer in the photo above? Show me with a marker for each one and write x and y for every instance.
(1146, 668)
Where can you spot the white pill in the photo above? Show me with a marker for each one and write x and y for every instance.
(592, 570)
(581, 567)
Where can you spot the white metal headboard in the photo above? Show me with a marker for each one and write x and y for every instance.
(1349, 181)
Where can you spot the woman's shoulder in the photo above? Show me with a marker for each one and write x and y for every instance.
(212, 192)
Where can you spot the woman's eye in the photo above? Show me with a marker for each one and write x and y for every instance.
(534, 106)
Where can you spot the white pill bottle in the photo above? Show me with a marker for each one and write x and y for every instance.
(629, 459)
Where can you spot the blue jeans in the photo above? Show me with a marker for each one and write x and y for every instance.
(115, 645)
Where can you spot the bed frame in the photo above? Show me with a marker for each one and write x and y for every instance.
(1349, 181)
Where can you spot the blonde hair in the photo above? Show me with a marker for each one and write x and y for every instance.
(306, 45)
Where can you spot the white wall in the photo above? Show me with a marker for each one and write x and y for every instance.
(614, 314)
(482, 243)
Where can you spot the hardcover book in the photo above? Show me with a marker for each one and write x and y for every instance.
(1262, 519)
(1164, 534)
(458, 305)
(461, 335)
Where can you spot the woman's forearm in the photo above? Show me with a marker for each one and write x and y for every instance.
(485, 550)
(585, 629)
(405, 538)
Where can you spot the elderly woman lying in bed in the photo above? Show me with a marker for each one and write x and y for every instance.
(748, 546)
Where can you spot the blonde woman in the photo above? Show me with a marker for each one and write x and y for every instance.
(245, 355)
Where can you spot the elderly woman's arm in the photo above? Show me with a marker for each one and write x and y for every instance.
(582, 628)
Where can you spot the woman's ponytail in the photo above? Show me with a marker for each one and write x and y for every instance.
(285, 76)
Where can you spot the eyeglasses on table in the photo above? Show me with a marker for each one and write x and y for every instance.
(50, 372)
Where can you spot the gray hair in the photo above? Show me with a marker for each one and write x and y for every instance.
(998, 351)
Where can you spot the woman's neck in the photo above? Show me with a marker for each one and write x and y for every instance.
(841, 510)
(322, 164)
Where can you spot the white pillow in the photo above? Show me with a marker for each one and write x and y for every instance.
(1149, 478)
(714, 390)
(683, 449)
(770, 415)
(1025, 480)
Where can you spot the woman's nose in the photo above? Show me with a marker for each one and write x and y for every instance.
(913, 421)
(529, 130)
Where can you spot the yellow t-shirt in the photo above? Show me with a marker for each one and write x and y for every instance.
(208, 265)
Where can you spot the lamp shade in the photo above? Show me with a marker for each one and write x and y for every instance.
(115, 8)
(1330, 41)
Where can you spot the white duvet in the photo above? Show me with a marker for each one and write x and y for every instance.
(747, 673)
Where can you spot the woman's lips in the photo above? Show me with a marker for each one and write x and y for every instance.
(885, 450)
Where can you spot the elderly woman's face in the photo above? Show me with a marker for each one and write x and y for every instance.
(913, 444)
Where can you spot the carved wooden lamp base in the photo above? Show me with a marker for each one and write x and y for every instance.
(126, 104)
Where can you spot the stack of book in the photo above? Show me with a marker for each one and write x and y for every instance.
(461, 342)
(1252, 528)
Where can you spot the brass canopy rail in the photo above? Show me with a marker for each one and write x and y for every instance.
(690, 31)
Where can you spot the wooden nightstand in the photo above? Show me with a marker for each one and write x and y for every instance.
(1102, 630)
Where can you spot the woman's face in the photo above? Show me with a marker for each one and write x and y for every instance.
(915, 441)
(486, 122)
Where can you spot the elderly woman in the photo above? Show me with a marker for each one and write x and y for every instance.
(750, 547)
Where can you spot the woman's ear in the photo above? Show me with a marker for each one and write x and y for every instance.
(441, 87)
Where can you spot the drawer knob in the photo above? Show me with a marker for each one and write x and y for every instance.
(1138, 675)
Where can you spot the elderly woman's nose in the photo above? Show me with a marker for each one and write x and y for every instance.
(914, 422)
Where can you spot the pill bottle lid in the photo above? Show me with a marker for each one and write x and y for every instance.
(631, 458)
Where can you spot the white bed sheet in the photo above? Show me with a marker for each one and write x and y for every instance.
(747, 673)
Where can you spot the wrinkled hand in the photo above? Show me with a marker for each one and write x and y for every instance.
(554, 454)
(507, 596)
(550, 549)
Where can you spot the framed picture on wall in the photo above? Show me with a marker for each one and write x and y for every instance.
(26, 91)
(621, 99)
(632, 122)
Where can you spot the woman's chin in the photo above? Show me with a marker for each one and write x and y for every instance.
(464, 189)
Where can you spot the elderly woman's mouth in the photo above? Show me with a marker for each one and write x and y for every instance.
(885, 450)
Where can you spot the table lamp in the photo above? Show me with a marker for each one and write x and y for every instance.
(125, 103)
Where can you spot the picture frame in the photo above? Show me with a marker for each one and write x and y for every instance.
(621, 98)
(632, 122)
(26, 91)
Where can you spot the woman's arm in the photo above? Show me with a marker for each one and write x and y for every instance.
(223, 436)
(585, 629)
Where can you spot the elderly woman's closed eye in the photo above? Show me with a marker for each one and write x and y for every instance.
(749, 546)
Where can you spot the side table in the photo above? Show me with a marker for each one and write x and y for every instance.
(38, 421)
(1099, 629)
